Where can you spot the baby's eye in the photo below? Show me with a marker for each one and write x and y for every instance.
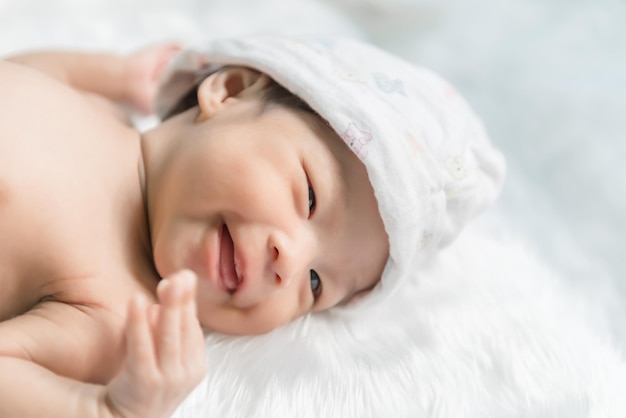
(312, 201)
(316, 284)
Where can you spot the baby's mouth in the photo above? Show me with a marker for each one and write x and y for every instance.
(228, 272)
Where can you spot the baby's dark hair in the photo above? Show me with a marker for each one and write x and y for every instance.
(272, 95)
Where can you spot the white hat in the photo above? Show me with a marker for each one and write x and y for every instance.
(427, 156)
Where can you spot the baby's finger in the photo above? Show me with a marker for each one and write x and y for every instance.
(168, 326)
(192, 337)
(153, 317)
(139, 345)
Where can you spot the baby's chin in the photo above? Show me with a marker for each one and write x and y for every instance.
(239, 324)
(239, 331)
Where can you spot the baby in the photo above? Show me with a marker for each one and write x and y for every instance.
(289, 176)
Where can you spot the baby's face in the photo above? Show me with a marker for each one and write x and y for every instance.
(274, 214)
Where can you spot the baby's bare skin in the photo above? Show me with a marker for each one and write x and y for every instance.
(270, 210)
(74, 252)
(66, 238)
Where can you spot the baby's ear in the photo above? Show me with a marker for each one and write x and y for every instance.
(227, 86)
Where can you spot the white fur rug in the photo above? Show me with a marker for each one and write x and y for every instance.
(486, 331)
(531, 326)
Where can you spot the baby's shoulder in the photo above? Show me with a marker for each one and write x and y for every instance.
(61, 159)
(44, 121)
(54, 141)
(25, 92)
(33, 100)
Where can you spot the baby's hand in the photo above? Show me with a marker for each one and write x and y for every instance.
(165, 353)
(144, 68)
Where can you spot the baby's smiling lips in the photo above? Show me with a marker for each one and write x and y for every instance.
(227, 270)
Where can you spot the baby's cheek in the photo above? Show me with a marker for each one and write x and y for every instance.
(165, 259)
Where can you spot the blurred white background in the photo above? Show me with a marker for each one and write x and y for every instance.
(548, 78)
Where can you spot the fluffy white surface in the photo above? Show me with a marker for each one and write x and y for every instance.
(487, 331)
(496, 326)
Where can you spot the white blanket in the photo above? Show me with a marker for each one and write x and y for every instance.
(490, 330)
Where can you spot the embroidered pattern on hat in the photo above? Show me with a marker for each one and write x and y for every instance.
(357, 139)
(389, 85)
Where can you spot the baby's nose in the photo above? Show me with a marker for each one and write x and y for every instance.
(291, 256)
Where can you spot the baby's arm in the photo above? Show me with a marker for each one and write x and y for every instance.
(165, 360)
(130, 79)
